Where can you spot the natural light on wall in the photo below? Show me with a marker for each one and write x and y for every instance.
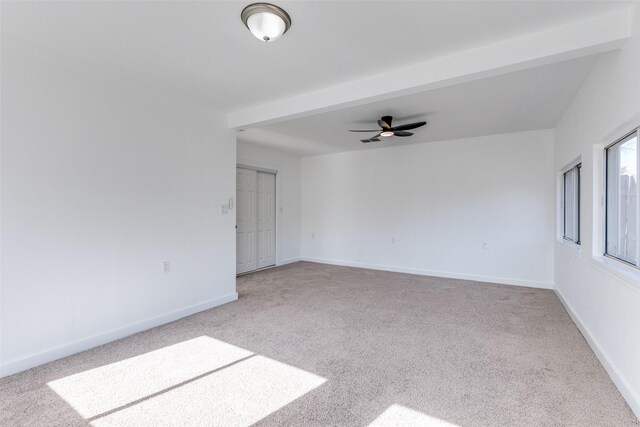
(200, 381)
(398, 415)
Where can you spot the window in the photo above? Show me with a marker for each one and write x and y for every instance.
(571, 208)
(621, 210)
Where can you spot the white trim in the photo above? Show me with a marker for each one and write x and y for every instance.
(604, 195)
(598, 203)
(57, 352)
(448, 275)
(560, 200)
(256, 168)
(632, 398)
(569, 246)
(288, 261)
(572, 164)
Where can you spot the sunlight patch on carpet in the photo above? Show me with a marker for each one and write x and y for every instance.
(108, 387)
(238, 395)
(398, 415)
(202, 381)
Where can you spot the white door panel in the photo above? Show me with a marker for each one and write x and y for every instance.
(255, 220)
(246, 224)
(266, 212)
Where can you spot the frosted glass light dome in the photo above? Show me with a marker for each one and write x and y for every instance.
(266, 21)
(266, 26)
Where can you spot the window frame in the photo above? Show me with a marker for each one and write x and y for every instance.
(578, 168)
(635, 131)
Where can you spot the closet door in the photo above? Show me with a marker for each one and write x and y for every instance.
(266, 219)
(246, 224)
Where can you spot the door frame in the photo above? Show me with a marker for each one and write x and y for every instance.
(276, 207)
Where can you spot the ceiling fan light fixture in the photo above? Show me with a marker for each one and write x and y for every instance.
(267, 22)
(386, 130)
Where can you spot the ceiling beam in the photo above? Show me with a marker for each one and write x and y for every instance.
(279, 141)
(596, 35)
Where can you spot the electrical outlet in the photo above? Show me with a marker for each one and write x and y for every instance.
(485, 247)
(313, 235)
(166, 267)
(393, 240)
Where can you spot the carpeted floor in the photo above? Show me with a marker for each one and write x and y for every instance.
(309, 344)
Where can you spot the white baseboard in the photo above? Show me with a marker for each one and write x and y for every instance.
(463, 276)
(632, 398)
(288, 261)
(54, 353)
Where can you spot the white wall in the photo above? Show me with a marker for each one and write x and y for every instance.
(287, 195)
(603, 297)
(440, 202)
(101, 182)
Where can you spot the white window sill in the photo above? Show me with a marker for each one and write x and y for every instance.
(569, 246)
(621, 271)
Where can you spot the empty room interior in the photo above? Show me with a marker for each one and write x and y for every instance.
(320, 213)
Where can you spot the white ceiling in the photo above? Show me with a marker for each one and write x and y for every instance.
(525, 100)
(201, 51)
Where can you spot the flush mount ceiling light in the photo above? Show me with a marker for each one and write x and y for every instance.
(266, 22)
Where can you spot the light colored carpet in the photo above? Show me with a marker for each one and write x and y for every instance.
(309, 344)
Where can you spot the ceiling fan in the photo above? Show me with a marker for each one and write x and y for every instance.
(387, 130)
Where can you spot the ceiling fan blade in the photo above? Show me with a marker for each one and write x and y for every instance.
(410, 118)
(410, 126)
(374, 130)
(375, 138)
(402, 133)
(383, 124)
